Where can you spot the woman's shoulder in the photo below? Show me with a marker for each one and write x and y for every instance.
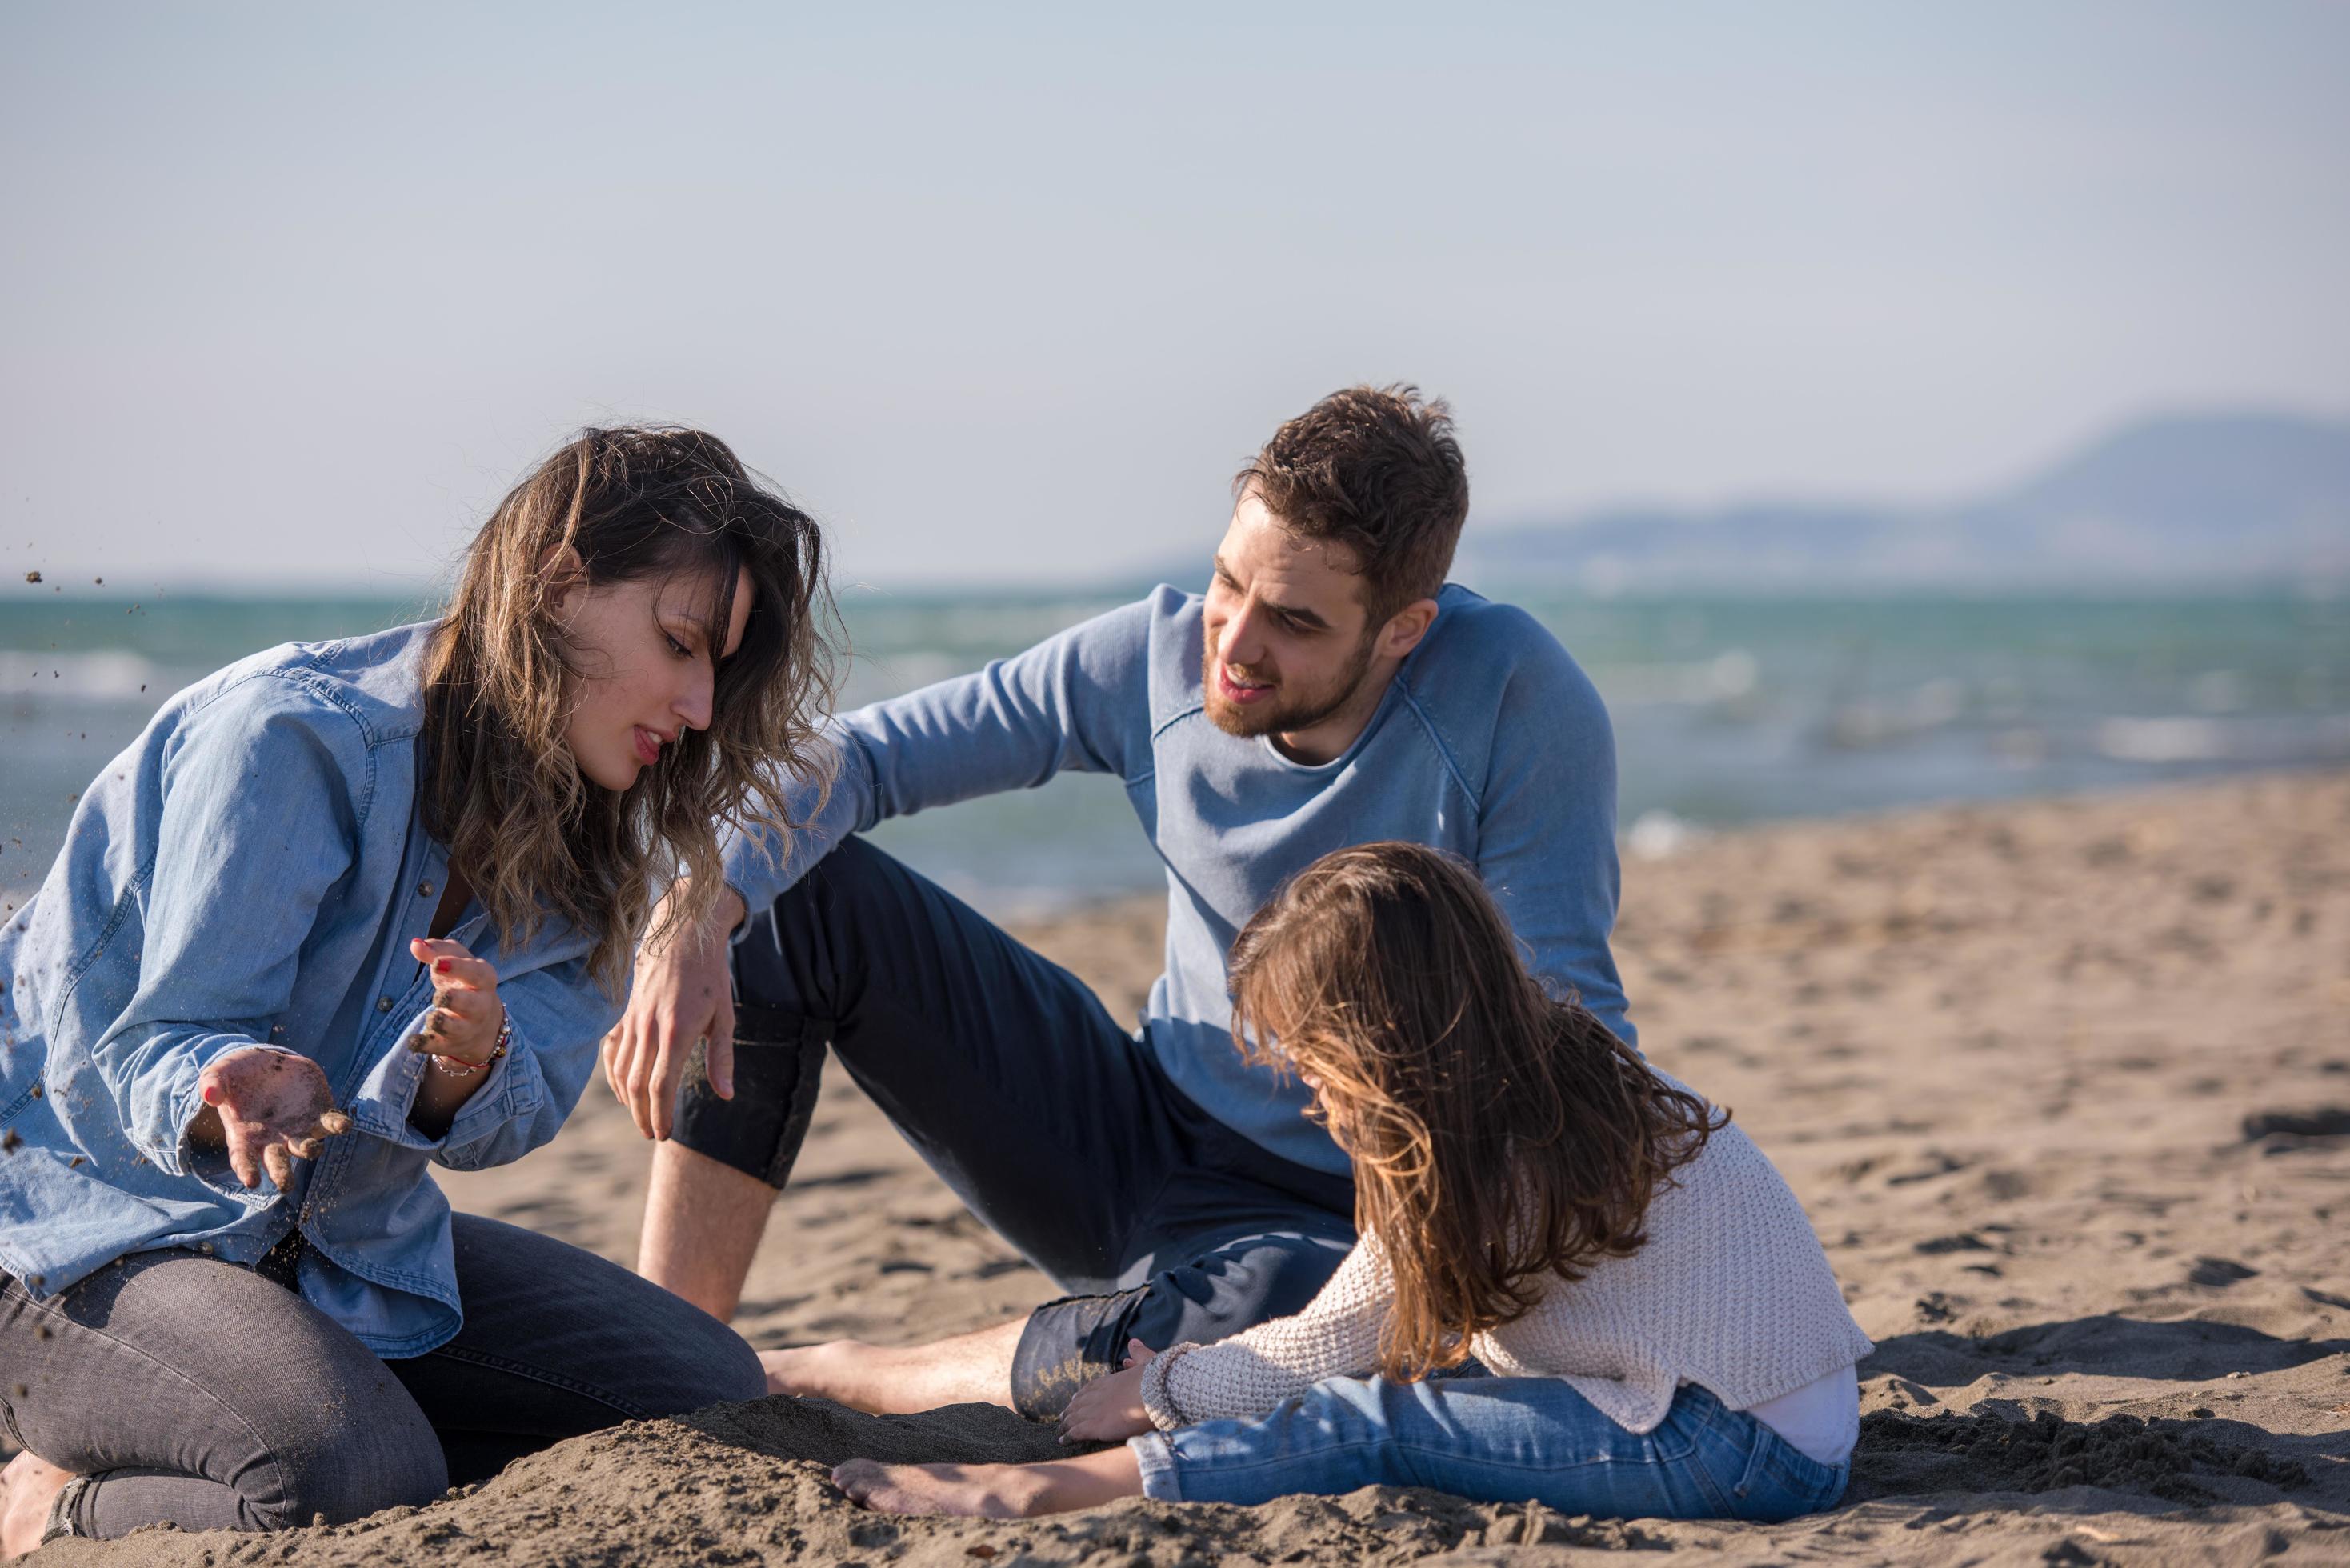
(363, 690)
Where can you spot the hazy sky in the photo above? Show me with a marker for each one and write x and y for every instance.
(292, 293)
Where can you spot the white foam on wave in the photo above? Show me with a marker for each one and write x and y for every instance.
(1659, 835)
(2199, 740)
(1727, 677)
(96, 675)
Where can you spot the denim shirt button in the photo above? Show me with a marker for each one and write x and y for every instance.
(383, 1005)
(424, 889)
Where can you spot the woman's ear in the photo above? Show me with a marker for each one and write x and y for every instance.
(561, 573)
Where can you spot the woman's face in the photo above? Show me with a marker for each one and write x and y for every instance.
(645, 668)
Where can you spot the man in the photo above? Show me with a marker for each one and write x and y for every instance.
(1329, 689)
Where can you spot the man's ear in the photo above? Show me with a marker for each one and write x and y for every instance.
(561, 572)
(1404, 628)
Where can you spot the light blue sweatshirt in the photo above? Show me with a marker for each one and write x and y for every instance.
(1490, 743)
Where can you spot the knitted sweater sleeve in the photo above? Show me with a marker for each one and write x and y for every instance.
(1336, 1335)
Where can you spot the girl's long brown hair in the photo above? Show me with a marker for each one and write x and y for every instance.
(500, 787)
(1501, 1137)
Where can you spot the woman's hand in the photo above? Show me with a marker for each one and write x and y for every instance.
(683, 994)
(466, 1016)
(267, 1108)
(1109, 1410)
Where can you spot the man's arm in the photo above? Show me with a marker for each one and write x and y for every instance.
(1077, 701)
(1546, 828)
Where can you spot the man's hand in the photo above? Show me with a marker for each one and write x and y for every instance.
(267, 1109)
(1109, 1410)
(684, 992)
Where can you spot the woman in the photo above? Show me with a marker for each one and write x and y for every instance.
(1662, 1333)
(345, 909)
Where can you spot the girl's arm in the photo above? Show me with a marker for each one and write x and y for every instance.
(1337, 1335)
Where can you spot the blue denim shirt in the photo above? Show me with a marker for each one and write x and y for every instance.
(250, 872)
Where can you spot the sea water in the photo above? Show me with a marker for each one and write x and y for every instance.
(1726, 711)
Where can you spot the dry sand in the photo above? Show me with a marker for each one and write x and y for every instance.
(2064, 1084)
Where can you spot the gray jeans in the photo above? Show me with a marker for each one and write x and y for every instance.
(204, 1394)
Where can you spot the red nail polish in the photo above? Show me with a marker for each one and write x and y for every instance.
(440, 966)
(212, 1094)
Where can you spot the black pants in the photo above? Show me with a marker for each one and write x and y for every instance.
(205, 1395)
(1014, 1083)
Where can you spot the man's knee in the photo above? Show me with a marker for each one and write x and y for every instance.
(798, 952)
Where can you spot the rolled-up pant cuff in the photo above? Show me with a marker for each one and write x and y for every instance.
(1067, 1343)
(778, 1073)
(1156, 1458)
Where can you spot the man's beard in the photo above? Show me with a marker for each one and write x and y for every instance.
(1289, 710)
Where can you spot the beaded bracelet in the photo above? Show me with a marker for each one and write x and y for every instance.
(457, 1068)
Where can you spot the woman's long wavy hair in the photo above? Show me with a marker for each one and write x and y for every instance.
(1502, 1138)
(500, 787)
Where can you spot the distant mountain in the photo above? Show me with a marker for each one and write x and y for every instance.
(2216, 499)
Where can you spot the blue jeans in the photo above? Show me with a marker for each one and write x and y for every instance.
(1495, 1440)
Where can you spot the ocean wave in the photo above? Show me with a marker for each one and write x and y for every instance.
(2263, 740)
(97, 675)
(1727, 677)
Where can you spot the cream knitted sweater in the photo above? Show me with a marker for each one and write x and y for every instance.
(1731, 1292)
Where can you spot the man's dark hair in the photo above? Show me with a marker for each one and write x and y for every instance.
(1375, 469)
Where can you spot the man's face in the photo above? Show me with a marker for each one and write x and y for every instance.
(1288, 638)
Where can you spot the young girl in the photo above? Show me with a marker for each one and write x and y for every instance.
(1658, 1331)
(344, 910)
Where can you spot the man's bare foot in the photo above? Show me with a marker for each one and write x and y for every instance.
(846, 1370)
(992, 1491)
(879, 1379)
(900, 1380)
(27, 1487)
(969, 1491)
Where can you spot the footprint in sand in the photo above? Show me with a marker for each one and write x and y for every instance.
(2326, 1121)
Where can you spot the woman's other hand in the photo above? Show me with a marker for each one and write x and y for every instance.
(467, 1016)
(1109, 1410)
(267, 1108)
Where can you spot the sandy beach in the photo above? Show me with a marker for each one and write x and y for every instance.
(2064, 1084)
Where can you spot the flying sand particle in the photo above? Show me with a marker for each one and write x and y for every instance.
(32, 577)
